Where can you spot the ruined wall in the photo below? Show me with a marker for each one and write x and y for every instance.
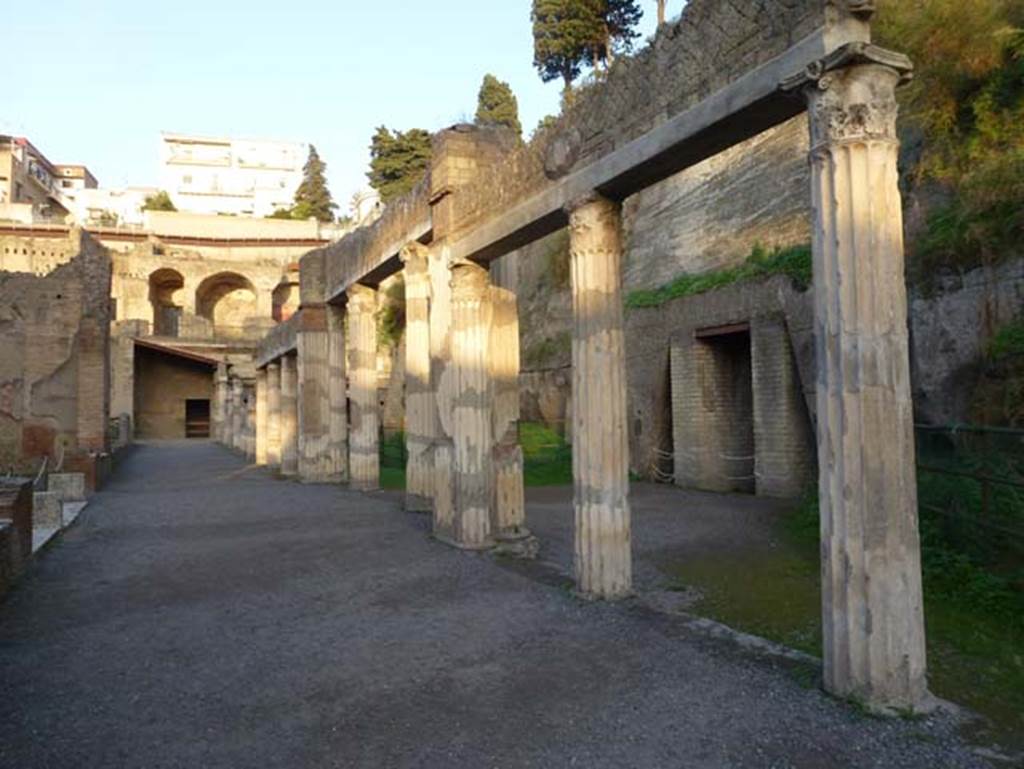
(54, 358)
(162, 385)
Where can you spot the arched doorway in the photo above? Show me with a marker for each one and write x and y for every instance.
(228, 301)
(164, 285)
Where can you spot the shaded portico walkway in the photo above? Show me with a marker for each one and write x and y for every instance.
(203, 613)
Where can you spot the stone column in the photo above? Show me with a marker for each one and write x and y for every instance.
(364, 451)
(237, 415)
(337, 394)
(603, 557)
(274, 414)
(419, 397)
(262, 413)
(441, 389)
(220, 404)
(314, 411)
(289, 416)
(472, 436)
(874, 645)
(250, 422)
(508, 521)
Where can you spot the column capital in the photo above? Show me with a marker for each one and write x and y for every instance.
(851, 93)
(592, 198)
(274, 365)
(415, 257)
(361, 298)
(470, 281)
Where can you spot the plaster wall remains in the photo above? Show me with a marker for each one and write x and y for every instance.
(54, 347)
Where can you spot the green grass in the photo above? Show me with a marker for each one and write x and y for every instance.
(1008, 342)
(794, 262)
(547, 458)
(974, 617)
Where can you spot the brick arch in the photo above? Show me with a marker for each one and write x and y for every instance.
(164, 283)
(228, 300)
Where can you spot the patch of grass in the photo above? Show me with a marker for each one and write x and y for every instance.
(547, 458)
(1008, 342)
(795, 262)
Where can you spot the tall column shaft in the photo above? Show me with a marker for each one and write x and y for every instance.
(441, 389)
(274, 414)
(261, 416)
(364, 450)
(314, 403)
(509, 507)
(603, 558)
(289, 416)
(337, 394)
(419, 397)
(250, 422)
(874, 645)
(220, 397)
(237, 417)
(472, 435)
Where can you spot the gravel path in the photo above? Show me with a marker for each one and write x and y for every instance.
(204, 614)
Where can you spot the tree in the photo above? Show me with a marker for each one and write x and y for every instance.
(312, 198)
(398, 160)
(161, 201)
(568, 34)
(497, 105)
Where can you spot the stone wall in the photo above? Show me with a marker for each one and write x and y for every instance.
(162, 385)
(54, 359)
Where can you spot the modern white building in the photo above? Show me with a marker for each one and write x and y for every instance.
(221, 175)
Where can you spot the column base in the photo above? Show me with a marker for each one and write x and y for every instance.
(488, 545)
(517, 544)
(416, 503)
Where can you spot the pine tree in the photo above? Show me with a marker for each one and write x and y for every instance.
(497, 105)
(312, 198)
(398, 160)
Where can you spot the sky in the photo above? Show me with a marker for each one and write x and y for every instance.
(102, 78)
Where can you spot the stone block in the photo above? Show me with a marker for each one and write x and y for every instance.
(47, 509)
(70, 486)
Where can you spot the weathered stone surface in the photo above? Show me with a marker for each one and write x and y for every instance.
(70, 486)
(274, 414)
(262, 417)
(47, 509)
(315, 462)
(603, 557)
(364, 450)
(420, 405)
(289, 418)
(337, 393)
(873, 621)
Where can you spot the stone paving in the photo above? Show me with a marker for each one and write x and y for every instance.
(202, 613)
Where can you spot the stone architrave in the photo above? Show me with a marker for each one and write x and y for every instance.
(508, 522)
(261, 417)
(874, 643)
(472, 424)
(337, 394)
(274, 414)
(603, 557)
(313, 396)
(289, 416)
(419, 397)
(364, 439)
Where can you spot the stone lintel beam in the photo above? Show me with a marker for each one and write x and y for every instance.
(603, 557)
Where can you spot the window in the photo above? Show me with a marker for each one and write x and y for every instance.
(186, 179)
(17, 191)
(65, 183)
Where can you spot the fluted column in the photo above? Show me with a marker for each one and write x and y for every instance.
(603, 558)
(508, 520)
(289, 416)
(441, 388)
(472, 435)
(364, 450)
(337, 394)
(874, 645)
(250, 422)
(274, 414)
(220, 403)
(314, 404)
(237, 415)
(261, 416)
(419, 397)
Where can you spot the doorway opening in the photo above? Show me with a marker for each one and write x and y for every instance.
(197, 418)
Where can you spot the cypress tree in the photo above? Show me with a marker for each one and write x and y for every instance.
(398, 160)
(312, 198)
(497, 105)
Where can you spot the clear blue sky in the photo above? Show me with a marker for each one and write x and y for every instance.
(96, 82)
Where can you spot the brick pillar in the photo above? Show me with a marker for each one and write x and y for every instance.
(472, 427)
(314, 404)
(782, 431)
(261, 416)
(274, 414)
(337, 394)
(419, 398)
(93, 384)
(289, 416)
(364, 450)
(874, 644)
(600, 442)
(509, 506)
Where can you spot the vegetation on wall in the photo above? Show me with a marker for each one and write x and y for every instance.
(391, 315)
(962, 125)
(398, 161)
(161, 201)
(497, 105)
(795, 262)
(542, 352)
